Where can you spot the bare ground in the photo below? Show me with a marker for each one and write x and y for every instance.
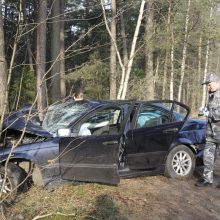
(152, 197)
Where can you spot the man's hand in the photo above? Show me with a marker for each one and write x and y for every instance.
(203, 111)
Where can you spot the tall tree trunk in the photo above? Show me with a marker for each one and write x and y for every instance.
(27, 37)
(199, 77)
(172, 66)
(124, 83)
(183, 63)
(156, 73)
(124, 41)
(62, 50)
(165, 70)
(41, 58)
(113, 52)
(206, 65)
(217, 64)
(3, 71)
(14, 50)
(132, 53)
(55, 51)
(117, 52)
(205, 73)
(149, 71)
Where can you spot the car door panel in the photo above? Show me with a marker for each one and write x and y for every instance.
(147, 147)
(90, 159)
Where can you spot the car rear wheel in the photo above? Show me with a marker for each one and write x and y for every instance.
(180, 162)
(13, 183)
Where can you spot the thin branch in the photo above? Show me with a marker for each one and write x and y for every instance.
(51, 214)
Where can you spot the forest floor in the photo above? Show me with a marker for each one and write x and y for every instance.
(152, 197)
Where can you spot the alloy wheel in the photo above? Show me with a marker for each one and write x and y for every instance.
(182, 163)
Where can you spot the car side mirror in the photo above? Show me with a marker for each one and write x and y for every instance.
(64, 132)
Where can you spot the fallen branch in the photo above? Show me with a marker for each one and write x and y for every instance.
(50, 214)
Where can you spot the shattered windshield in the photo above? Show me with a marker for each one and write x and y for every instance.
(62, 114)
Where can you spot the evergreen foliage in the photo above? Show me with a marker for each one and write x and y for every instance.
(87, 45)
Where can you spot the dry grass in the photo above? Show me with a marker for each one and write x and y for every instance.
(153, 197)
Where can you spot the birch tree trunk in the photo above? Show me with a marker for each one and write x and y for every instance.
(206, 65)
(55, 51)
(183, 63)
(41, 58)
(156, 71)
(149, 71)
(199, 77)
(113, 51)
(205, 73)
(117, 52)
(132, 53)
(172, 66)
(62, 51)
(124, 41)
(3, 70)
(167, 52)
(125, 75)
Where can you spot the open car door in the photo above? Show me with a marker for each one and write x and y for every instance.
(154, 128)
(92, 156)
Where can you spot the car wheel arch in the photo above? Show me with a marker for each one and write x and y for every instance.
(191, 147)
(31, 169)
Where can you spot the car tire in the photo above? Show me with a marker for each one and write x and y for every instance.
(15, 181)
(180, 162)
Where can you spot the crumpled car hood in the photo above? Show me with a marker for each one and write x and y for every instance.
(17, 121)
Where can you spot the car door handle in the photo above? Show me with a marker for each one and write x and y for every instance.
(110, 142)
(170, 130)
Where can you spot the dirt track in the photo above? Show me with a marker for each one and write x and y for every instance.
(153, 197)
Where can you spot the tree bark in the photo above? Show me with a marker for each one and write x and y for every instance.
(3, 70)
(113, 51)
(41, 58)
(124, 41)
(132, 53)
(205, 73)
(156, 71)
(167, 51)
(199, 78)
(55, 51)
(172, 66)
(149, 71)
(125, 75)
(27, 37)
(117, 52)
(62, 51)
(206, 65)
(183, 63)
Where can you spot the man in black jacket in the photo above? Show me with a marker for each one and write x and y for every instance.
(212, 111)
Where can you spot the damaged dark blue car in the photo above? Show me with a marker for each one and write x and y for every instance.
(100, 141)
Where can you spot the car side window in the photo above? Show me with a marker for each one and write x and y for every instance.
(104, 121)
(150, 116)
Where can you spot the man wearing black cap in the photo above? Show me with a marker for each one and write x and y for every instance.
(212, 130)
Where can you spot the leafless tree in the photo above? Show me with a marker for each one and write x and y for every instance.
(41, 58)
